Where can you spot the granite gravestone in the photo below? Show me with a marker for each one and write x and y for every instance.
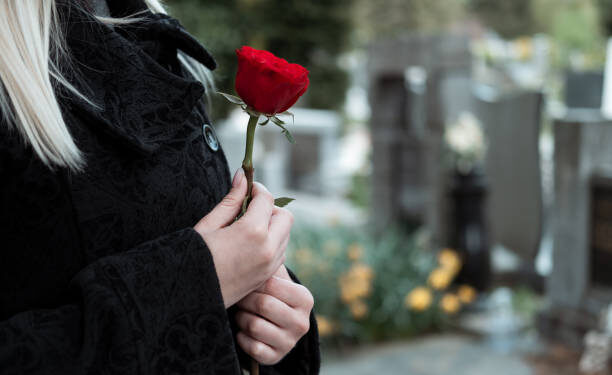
(583, 89)
(512, 168)
(407, 122)
(576, 289)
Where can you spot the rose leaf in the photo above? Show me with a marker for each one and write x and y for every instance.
(282, 202)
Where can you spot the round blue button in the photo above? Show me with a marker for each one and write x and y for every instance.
(210, 137)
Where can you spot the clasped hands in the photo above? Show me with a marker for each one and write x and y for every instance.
(273, 311)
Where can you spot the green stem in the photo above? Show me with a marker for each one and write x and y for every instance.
(247, 163)
(247, 166)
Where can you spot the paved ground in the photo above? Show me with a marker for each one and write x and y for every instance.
(442, 354)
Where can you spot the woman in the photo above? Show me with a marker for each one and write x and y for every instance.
(120, 253)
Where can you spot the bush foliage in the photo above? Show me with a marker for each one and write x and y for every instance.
(370, 288)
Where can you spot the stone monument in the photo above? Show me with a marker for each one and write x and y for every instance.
(512, 168)
(417, 82)
(580, 285)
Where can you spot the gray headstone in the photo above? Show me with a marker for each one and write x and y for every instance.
(582, 152)
(583, 89)
(583, 159)
(388, 101)
(407, 121)
(512, 169)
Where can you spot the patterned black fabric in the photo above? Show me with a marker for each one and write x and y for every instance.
(101, 271)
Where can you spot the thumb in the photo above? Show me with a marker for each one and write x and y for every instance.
(226, 211)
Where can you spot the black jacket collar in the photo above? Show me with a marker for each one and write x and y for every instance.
(127, 72)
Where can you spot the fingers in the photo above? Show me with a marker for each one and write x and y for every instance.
(269, 328)
(262, 330)
(271, 308)
(259, 351)
(228, 209)
(279, 256)
(261, 207)
(273, 319)
(293, 294)
(280, 226)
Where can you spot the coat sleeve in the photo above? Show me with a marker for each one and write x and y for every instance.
(303, 359)
(155, 309)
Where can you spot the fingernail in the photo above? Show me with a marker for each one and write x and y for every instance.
(238, 177)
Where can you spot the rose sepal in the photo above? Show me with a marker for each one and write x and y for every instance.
(281, 124)
(269, 117)
(232, 98)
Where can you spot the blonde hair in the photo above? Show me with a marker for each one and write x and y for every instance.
(31, 43)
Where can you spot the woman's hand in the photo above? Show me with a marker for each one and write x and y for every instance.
(273, 318)
(246, 252)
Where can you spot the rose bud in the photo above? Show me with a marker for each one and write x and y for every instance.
(268, 84)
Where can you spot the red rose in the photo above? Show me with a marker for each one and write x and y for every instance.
(268, 84)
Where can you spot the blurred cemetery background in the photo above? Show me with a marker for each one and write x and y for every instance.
(453, 176)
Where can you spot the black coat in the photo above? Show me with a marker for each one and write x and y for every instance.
(101, 271)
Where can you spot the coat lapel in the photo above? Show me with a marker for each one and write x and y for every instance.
(137, 100)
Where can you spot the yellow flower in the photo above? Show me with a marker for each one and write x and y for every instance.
(303, 256)
(356, 283)
(450, 260)
(359, 309)
(440, 278)
(362, 271)
(326, 327)
(351, 290)
(355, 251)
(466, 294)
(450, 303)
(418, 299)
(348, 293)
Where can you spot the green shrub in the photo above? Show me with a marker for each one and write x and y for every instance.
(361, 283)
